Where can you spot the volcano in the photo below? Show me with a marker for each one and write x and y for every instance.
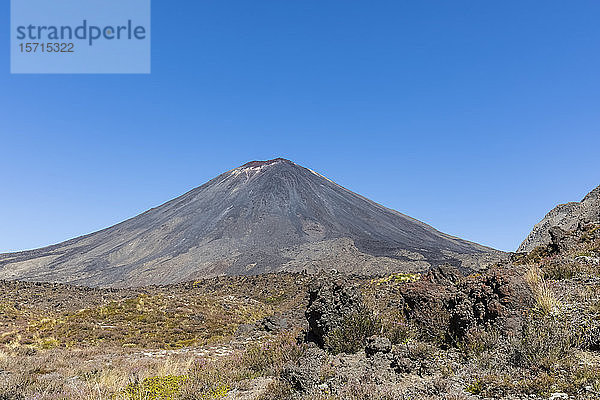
(265, 216)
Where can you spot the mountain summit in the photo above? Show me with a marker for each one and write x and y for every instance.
(261, 217)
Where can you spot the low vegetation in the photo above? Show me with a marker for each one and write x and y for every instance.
(352, 335)
(226, 338)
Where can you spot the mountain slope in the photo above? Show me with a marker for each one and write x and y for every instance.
(261, 217)
(565, 216)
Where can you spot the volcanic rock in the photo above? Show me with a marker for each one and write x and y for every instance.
(265, 216)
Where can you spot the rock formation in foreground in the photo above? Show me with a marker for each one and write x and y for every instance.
(565, 216)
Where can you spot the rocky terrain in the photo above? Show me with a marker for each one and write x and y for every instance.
(525, 328)
(265, 216)
(565, 216)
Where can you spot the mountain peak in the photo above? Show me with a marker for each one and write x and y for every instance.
(254, 168)
(257, 163)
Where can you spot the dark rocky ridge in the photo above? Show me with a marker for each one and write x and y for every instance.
(565, 216)
(265, 216)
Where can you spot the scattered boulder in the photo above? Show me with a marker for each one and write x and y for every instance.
(490, 299)
(413, 358)
(591, 339)
(425, 305)
(564, 241)
(199, 317)
(446, 306)
(479, 305)
(561, 240)
(245, 329)
(445, 274)
(273, 323)
(304, 375)
(253, 389)
(329, 303)
(402, 364)
(558, 395)
(588, 260)
(377, 345)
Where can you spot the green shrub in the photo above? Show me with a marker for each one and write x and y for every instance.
(155, 388)
(395, 327)
(475, 387)
(541, 384)
(270, 356)
(546, 341)
(351, 336)
(277, 390)
(212, 379)
(533, 257)
(478, 341)
(559, 270)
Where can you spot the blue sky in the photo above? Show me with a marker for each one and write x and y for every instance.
(475, 117)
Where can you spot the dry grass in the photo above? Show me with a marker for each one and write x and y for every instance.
(172, 317)
(93, 344)
(61, 342)
(118, 374)
(545, 299)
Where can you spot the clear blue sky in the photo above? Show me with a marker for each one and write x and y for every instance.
(476, 117)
